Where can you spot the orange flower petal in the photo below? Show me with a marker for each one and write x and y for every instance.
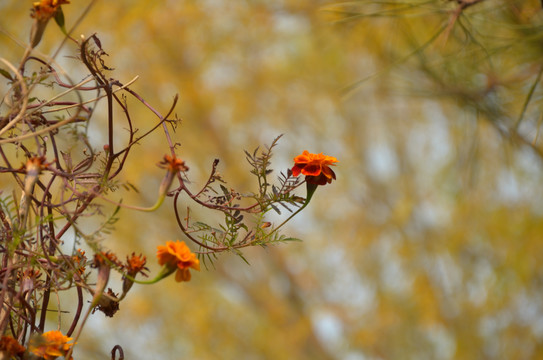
(297, 170)
(312, 169)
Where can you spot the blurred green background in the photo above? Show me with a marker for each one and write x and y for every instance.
(428, 245)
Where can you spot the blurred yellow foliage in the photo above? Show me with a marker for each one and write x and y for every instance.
(428, 244)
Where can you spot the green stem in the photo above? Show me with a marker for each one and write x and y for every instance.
(310, 191)
(165, 272)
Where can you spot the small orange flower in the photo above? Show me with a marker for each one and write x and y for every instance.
(173, 164)
(50, 345)
(35, 165)
(315, 167)
(46, 9)
(10, 348)
(136, 264)
(79, 261)
(105, 258)
(103, 261)
(177, 254)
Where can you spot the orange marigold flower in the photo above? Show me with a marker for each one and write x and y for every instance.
(315, 167)
(177, 254)
(46, 9)
(9, 348)
(173, 164)
(50, 345)
(79, 261)
(136, 264)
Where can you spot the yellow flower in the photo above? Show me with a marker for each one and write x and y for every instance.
(178, 255)
(50, 345)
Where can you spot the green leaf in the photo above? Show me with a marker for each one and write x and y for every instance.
(5, 74)
(226, 192)
(291, 239)
(59, 19)
(239, 253)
